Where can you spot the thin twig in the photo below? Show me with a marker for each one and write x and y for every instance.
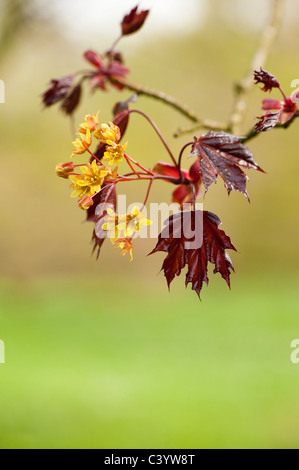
(243, 87)
(171, 101)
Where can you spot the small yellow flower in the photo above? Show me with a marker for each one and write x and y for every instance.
(91, 180)
(126, 246)
(63, 170)
(114, 153)
(82, 143)
(124, 226)
(108, 133)
(85, 202)
(91, 122)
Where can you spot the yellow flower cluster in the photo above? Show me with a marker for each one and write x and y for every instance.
(121, 228)
(87, 184)
(91, 180)
(82, 143)
(110, 134)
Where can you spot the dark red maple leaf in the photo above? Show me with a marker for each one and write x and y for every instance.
(133, 21)
(183, 194)
(102, 201)
(222, 154)
(194, 239)
(267, 79)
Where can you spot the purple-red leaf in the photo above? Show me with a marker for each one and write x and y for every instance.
(94, 58)
(58, 90)
(71, 102)
(266, 122)
(221, 154)
(267, 79)
(194, 239)
(133, 21)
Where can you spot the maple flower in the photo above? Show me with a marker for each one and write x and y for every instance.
(82, 143)
(91, 180)
(108, 133)
(63, 170)
(126, 246)
(91, 123)
(124, 226)
(85, 202)
(114, 153)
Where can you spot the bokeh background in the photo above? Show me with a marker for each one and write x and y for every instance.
(98, 353)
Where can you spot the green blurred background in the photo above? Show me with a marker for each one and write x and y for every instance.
(98, 353)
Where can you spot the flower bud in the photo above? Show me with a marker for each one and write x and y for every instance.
(63, 170)
(85, 202)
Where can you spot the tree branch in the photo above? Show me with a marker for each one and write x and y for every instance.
(171, 101)
(243, 87)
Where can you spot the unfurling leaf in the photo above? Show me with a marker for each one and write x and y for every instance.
(193, 239)
(222, 153)
(133, 21)
(58, 90)
(105, 199)
(72, 100)
(266, 122)
(267, 79)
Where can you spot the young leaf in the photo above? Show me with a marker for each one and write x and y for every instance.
(194, 239)
(222, 153)
(267, 79)
(71, 102)
(58, 90)
(266, 122)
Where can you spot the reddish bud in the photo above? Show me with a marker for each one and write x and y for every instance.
(63, 170)
(133, 21)
(85, 202)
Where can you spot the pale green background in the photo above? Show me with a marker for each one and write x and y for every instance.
(98, 353)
